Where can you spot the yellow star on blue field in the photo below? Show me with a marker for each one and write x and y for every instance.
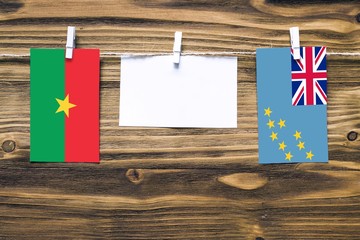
(309, 155)
(297, 135)
(288, 156)
(270, 123)
(282, 146)
(281, 123)
(64, 105)
(301, 145)
(267, 111)
(273, 136)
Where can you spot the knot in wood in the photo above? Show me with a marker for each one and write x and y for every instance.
(135, 176)
(358, 18)
(259, 238)
(352, 136)
(8, 146)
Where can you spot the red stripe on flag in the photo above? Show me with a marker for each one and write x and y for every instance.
(298, 97)
(300, 64)
(321, 91)
(82, 125)
(319, 54)
(309, 76)
(304, 75)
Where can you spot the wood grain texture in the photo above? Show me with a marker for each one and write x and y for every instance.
(166, 183)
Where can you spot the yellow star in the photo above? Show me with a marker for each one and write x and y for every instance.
(297, 135)
(267, 112)
(301, 145)
(273, 136)
(64, 105)
(288, 156)
(282, 146)
(270, 124)
(309, 155)
(281, 123)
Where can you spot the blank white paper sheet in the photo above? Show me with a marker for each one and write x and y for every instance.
(200, 92)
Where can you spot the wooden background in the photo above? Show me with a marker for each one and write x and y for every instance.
(180, 183)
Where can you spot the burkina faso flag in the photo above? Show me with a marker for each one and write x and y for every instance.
(64, 105)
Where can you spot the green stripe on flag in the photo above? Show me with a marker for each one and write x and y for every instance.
(47, 130)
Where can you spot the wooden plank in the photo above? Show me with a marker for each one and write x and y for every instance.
(182, 203)
(149, 25)
(187, 147)
(179, 183)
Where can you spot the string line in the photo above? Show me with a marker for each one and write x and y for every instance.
(129, 54)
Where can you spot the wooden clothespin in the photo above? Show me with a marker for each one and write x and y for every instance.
(295, 42)
(177, 47)
(70, 42)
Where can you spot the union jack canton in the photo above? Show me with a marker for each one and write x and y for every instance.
(309, 77)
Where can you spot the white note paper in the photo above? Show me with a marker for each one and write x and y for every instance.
(200, 92)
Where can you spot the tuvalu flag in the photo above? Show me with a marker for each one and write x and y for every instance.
(291, 131)
(64, 106)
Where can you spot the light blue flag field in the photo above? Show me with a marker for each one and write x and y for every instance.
(287, 133)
